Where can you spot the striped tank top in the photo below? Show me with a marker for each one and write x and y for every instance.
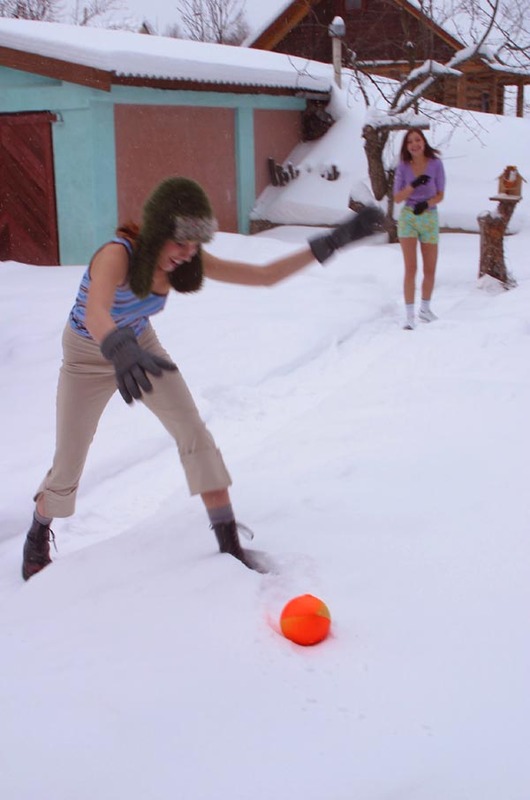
(127, 310)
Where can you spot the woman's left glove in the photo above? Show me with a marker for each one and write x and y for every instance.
(132, 363)
(419, 208)
(366, 222)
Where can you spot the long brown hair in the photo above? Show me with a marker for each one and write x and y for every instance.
(130, 231)
(429, 151)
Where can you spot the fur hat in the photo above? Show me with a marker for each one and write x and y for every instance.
(178, 209)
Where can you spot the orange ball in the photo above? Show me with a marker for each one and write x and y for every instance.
(305, 620)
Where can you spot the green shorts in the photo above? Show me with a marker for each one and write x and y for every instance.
(422, 226)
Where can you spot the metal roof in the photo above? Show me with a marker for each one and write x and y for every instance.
(100, 57)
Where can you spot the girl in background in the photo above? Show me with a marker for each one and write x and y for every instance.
(420, 182)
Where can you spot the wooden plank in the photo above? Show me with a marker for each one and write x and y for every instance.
(56, 68)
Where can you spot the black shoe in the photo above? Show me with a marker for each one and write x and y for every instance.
(228, 539)
(36, 554)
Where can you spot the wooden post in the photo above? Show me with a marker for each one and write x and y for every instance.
(461, 92)
(495, 97)
(492, 230)
(336, 45)
(337, 31)
(520, 99)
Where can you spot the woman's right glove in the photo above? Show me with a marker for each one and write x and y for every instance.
(132, 363)
(362, 224)
(421, 180)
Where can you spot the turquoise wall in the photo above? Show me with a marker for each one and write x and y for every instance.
(84, 149)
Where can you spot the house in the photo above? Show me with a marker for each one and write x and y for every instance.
(389, 38)
(92, 119)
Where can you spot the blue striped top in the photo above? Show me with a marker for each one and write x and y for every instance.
(128, 310)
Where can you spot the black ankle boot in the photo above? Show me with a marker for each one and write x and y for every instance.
(36, 549)
(228, 539)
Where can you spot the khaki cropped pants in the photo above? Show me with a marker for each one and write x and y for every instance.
(87, 381)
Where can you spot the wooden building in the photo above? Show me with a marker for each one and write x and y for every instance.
(390, 38)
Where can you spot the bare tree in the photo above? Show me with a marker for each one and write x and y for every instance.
(173, 32)
(220, 21)
(51, 10)
(510, 31)
(85, 14)
(44, 10)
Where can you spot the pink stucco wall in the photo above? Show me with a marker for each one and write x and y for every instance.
(276, 133)
(155, 142)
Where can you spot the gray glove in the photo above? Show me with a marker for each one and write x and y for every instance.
(132, 363)
(362, 224)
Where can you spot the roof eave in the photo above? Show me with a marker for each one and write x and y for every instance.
(283, 24)
(56, 68)
(424, 19)
(189, 84)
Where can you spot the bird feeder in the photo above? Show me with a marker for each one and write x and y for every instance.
(510, 185)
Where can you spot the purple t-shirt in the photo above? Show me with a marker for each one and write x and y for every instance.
(404, 175)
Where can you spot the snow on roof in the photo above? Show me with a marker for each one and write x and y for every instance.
(133, 54)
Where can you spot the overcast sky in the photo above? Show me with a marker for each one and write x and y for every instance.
(164, 12)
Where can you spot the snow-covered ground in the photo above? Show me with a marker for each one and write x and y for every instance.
(382, 470)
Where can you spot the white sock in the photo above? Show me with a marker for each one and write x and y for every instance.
(425, 305)
(409, 308)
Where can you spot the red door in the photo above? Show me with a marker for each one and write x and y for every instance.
(28, 218)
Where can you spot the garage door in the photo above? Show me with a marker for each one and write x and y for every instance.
(28, 218)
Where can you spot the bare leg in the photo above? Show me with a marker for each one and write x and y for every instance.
(408, 248)
(39, 505)
(216, 499)
(429, 254)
